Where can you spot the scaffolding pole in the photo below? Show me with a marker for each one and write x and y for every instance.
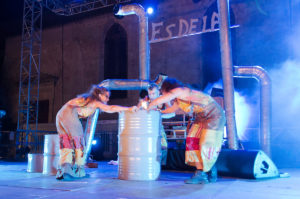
(29, 74)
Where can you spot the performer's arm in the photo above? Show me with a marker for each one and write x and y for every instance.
(166, 97)
(170, 110)
(113, 108)
(168, 115)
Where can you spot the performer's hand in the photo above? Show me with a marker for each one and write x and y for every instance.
(139, 105)
(133, 109)
(151, 107)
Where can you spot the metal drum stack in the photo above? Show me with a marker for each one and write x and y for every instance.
(139, 145)
(51, 154)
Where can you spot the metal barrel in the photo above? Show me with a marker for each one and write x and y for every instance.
(139, 145)
(51, 154)
(35, 163)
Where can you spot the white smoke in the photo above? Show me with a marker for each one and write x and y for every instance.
(286, 94)
(242, 109)
(286, 85)
(242, 114)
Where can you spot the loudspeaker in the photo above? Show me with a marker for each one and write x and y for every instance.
(246, 164)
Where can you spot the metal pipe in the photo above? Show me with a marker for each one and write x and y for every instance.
(227, 74)
(264, 80)
(90, 132)
(125, 84)
(144, 50)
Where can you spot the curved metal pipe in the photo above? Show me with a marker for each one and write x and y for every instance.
(144, 50)
(264, 80)
(227, 74)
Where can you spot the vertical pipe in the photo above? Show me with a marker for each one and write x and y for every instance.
(265, 114)
(227, 74)
(90, 132)
(144, 50)
(262, 76)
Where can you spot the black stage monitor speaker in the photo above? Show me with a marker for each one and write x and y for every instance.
(246, 164)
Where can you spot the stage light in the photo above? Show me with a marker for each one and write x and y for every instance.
(94, 142)
(150, 10)
(2, 113)
(144, 104)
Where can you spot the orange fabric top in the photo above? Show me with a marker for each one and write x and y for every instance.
(83, 111)
(190, 107)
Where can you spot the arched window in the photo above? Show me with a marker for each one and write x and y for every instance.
(115, 57)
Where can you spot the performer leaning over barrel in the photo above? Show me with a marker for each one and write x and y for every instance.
(70, 130)
(153, 93)
(205, 136)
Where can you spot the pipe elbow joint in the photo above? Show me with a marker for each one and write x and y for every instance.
(129, 10)
(255, 71)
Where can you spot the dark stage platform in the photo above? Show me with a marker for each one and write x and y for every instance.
(103, 183)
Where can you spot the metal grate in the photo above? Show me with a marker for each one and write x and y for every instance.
(72, 7)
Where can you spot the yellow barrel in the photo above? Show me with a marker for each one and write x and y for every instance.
(51, 154)
(139, 145)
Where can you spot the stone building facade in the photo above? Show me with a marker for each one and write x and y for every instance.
(74, 53)
(184, 43)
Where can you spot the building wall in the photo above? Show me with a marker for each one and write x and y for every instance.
(73, 51)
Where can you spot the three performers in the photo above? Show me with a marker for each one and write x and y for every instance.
(203, 142)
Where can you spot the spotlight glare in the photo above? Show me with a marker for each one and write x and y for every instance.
(94, 142)
(150, 10)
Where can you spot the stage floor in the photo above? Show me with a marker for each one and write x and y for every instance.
(103, 183)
